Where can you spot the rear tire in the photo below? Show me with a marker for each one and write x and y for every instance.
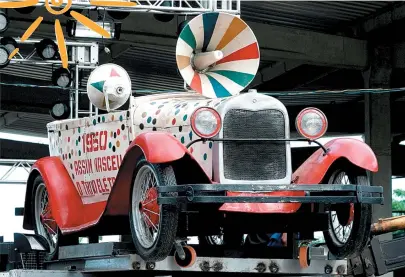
(153, 226)
(47, 226)
(349, 225)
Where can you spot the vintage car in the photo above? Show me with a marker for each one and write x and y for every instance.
(176, 165)
(212, 161)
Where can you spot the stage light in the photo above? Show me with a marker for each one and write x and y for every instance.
(76, 29)
(60, 111)
(4, 54)
(164, 17)
(47, 49)
(4, 22)
(9, 43)
(61, 77)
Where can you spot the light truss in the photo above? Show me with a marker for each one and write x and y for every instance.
(164, 6)
(79, 53)
(13, 166)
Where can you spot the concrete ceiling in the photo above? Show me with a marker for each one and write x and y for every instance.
(304, 46)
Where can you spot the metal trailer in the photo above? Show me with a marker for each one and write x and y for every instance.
(25, 258)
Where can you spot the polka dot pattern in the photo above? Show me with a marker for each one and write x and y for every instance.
(67, 139)
(173, 116)
(169, 115)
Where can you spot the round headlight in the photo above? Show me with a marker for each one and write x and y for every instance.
(206, 122)
(311, 123)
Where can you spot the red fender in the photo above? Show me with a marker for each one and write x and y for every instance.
(315, 167)
(157, 147)
(68, 210)
(311, 171)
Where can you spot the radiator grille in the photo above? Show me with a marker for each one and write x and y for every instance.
(254, 160)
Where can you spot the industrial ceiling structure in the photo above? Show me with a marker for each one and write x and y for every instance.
(305, 46)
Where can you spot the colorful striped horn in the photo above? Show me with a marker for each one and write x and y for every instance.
(217, 54)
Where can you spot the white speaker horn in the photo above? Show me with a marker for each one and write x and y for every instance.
(109, 87)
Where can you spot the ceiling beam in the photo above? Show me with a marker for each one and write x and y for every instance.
(282, 43)
(384, 19)
(276, 42)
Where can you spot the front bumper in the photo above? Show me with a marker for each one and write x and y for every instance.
(319, 193)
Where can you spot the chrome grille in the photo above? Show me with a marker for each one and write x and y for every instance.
(254, 160)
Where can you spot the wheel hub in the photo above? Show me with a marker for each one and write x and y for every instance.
(150, 207)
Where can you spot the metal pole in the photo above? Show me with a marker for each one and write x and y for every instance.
(11, 161)
(71, 104)
(4, 182)
(77, 91)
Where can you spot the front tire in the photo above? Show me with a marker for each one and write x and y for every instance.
(349, 224)
(153, 226)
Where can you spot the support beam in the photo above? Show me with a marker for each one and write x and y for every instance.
(309, 47)
(384, 19)
(276, 42)
(378, 125)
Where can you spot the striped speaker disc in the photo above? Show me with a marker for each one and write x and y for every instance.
(231, 35)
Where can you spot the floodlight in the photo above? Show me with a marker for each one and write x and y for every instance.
(4, 22)
(60, 111)
(162, 17)
(4, 54)
(76, 29)
(61, 77)
(9, 43)
(47, 49)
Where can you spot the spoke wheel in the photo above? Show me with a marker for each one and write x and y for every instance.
(146, 210)
(45, 224)
(153, 226)
(349, 224)
(341, 220)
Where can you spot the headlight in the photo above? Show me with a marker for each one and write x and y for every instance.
(311, 123)
(206, 122)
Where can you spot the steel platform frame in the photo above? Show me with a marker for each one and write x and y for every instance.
(121, 257)
(13, 166)
(182, 7)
